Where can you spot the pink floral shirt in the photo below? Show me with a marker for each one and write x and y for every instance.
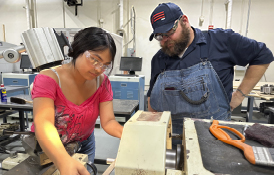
(73, 122)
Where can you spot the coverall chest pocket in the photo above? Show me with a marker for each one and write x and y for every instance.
(192, 97)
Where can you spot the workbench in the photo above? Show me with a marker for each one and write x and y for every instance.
(121, 108)
(10, 90)
(20, 89)
(255, 93)
(18, 79)
(21, 108)
(251, 96)
(206, 155)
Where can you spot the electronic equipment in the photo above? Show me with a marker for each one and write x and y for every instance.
(145, 148)
(264, 107)
(42, 47)
(131, 64)
(267, 89)
(25, 62)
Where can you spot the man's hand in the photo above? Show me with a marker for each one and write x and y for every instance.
(236, 100)
(252, 76)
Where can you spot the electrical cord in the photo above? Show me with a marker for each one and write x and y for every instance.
(265, 78)
(93, 167)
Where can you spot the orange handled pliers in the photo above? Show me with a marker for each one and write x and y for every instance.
(216, 130)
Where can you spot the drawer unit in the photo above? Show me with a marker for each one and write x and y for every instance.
(128, 88)
(15, 82)
(18, 79)
(123, 93)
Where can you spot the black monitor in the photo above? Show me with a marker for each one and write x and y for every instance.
(25, 62)
(131, 64)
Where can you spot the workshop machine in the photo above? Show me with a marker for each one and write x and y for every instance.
(42, 47)
(33, 160)
(36, 161)
(145, 148)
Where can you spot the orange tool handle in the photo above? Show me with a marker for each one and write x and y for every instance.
(221, 135)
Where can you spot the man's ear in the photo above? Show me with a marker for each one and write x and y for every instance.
(185, 18)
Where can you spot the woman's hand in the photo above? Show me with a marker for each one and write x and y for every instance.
(73, 167)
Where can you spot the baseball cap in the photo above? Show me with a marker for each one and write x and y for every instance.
(163, 17)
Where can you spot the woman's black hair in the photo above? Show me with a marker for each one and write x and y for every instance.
(94, 39)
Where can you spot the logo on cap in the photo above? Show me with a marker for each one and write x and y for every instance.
(158, 16)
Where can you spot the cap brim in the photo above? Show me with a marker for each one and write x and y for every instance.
(151, 37)
(162, 29)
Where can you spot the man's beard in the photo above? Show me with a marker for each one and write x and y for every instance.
(178, 46)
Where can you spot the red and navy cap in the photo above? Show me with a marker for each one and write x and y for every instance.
(163, 17)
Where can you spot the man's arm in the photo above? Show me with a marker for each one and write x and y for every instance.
(149, 107)
(252, 76)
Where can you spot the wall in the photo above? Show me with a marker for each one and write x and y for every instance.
(56, 14)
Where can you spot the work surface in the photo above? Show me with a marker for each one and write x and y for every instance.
(221, 158)
(256, 90)
(106, 145)
(16, 106)
(11, 89)
(119, 106)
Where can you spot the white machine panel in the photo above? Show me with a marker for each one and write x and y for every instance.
(144, 143)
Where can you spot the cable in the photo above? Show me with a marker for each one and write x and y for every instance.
(132, 21)
(93, 167)
(265, 78)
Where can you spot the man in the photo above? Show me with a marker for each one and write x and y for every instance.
(192, 73)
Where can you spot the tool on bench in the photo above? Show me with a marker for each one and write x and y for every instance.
(255, 155)
(19, 100)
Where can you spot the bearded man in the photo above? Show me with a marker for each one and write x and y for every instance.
(192, 74)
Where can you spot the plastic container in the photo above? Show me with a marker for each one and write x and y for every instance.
(3, 94)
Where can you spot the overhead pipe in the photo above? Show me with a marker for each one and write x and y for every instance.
(201, 19)
(121, 10)
(248, 13)
(4, 33)
(64, 15)
(229, 12)
(132, 25)
(31, 14)
(34, 14)
(28, 14)
(211, 12)
(242, 16)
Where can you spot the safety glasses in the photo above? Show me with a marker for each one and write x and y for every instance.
(96, 63)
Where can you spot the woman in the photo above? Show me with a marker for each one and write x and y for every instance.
(68, 99)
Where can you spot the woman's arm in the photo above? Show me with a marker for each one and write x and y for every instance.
(49, 140)
(108, 122)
